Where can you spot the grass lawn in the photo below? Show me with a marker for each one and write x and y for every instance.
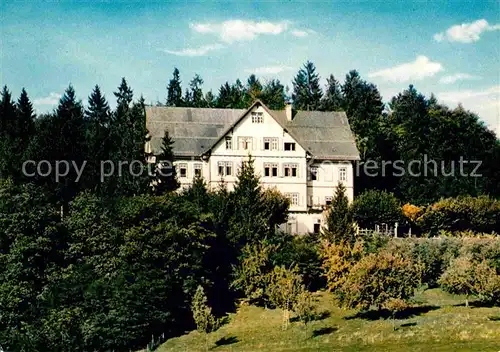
(438, 323)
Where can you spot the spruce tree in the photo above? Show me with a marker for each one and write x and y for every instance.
(25, 128)
(306, 89)
(224, 97)
(197, 98)
(339, 225)
(7, 136)
(187, 100)
(166, 178)
(273, 95)
(210, 100)
(174, 90)
(253, 90)
(237, 95)
(332, 100)
(98, 139)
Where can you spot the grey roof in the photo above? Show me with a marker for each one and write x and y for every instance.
(325, 135)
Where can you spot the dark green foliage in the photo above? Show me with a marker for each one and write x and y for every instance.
(306, 89)
(224, 100)
(273, 95)
(339, 224)
(197, 99)
(253, 90)
(174, 90)
(166, 179)
(97, 137)
(376, 207)
(302, 251)
(478, 214)
(332, 100)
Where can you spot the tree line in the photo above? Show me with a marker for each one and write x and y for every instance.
(411, 128)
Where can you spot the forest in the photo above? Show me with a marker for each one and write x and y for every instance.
(111, 265)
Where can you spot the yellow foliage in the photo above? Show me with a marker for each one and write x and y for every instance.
(412, 212)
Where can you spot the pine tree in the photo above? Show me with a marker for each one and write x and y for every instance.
(7, 134)
(253, 90)
(187, 100)
(166, 179)
(25, 128)
(196, 92)
(237, 95)
(306, 89)
(273, 95)
(339, 222)
(98, 139)
(332, 100)
(174, 90)
(224, 97)
(69, 143)
(210, 100)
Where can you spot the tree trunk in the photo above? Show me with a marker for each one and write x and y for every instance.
(467, 301)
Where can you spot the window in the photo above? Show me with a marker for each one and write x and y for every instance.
(290, 170)
(270, 170)
(328, 200)
(224, 168)
(183, 168)
(294, 198)
(197, 170)
(317, 228)
(229, 143)
(314, 173)
(343, 174)
(257, 117)
(270, 143)
(290, 146)
(245, 143)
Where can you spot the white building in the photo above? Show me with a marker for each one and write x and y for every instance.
(304, 156)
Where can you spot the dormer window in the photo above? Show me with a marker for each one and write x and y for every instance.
(289, 146)
(257, 117)
(229, 143)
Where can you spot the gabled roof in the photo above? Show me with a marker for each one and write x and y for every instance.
(325, 135)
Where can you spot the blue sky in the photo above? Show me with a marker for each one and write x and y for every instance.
(449, 48)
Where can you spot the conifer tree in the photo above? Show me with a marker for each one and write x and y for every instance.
(98, 139)
(224, 98)
(187, 100)
(273, 95)
(7, 120)
(253, 90)
(237, 95)
(306, 89)
(332, 100)
(210, 100)
(174, 90)
(166, 178)
(339, 225)
(197, 99)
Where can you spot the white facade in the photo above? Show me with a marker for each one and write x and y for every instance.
(280, 161)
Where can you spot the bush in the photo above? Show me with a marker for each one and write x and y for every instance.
(285, 288)
(251, 276)
(303, 251)
(338, 260)
(478, 214)
(378, 278)
(376, 207)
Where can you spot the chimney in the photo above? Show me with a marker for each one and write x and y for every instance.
(288, 111)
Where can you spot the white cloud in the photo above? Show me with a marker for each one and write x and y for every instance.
(239, 30)
(466, 32)
(419, 69)
(201, 51)
(268, 70)
(299, 33)
(457, 77)
(485, 102)
(51, 99)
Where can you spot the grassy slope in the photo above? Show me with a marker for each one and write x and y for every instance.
(440, 326)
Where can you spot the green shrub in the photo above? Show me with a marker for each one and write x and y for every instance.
(378, 278)
(375, 207)
(478, 214)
